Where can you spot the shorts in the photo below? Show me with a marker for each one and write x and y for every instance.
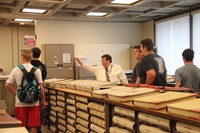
(29, 116)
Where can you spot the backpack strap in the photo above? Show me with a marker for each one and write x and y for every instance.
(21, 67)
(33, 69)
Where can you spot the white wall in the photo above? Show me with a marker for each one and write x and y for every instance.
(89, 33)
(12, 39)
(148, 30)
(6, 49)
(82, 33)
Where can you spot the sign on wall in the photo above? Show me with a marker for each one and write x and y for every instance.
(30, 40)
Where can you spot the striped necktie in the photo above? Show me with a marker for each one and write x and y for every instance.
(107, 75)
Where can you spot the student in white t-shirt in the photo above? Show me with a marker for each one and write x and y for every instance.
(28, 113)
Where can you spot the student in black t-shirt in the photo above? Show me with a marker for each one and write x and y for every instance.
(153, 70)
(37, 63)
(135, 79)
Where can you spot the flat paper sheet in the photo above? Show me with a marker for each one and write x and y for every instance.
(66, 58)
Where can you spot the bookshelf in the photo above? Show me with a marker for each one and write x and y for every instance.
(109, 112)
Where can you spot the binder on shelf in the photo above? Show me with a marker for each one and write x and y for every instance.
(96, 106)
(97, 128)
(186, 128)
(123, 94)
(128, 94)
(190, 109)
(118, 130)
(97, 121)
(151, 129)
(154, 120)
(159, 101)
(123, 122)
(50, 83)
(61, 84)
(104, 93)
(124, 112)
(97, 113)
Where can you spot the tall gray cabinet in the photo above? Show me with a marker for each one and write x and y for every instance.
(59, 60)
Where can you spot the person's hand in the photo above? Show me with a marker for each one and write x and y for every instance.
(79, 61)
(132, 85)
(43, 104)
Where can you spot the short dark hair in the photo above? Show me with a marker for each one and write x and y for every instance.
(108, 57)
(148, 43)
(188, 54)
(36, 52)
(137, 47)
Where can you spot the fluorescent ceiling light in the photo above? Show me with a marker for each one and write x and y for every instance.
(96, 14)
(33, 10)
(123, 1)
(23, 20)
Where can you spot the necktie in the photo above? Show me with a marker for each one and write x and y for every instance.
(107, 75)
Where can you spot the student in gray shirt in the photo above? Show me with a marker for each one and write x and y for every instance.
(189, 74)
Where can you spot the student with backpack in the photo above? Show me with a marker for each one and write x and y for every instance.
(28, 92)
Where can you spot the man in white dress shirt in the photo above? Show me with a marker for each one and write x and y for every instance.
(114, 72)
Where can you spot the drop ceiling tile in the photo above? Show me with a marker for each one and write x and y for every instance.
(39, 4)
(76, 6)
(158, 4)
(109, 9)
(90, 2)
(76, 9)
(64, 14)
(6, 1)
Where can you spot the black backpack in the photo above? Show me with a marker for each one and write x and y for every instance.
(29, 91)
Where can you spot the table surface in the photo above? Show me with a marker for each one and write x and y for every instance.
(14, 129)
(4, 77)
(8, 121)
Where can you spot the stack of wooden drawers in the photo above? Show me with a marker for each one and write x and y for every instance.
(153, 123)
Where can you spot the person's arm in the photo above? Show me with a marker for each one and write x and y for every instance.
(178, 84)
(44, 72)
(42, 96)
(137, 80)
(10, 88)
(10, 81)
(89, 68)
(177, 78)
(41, 86)
(122, 77)
(79, 61)
(151, 75)
(138, 71)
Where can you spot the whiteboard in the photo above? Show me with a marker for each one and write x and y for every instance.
(92, 53)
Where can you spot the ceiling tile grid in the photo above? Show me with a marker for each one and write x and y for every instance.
(140, 11)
